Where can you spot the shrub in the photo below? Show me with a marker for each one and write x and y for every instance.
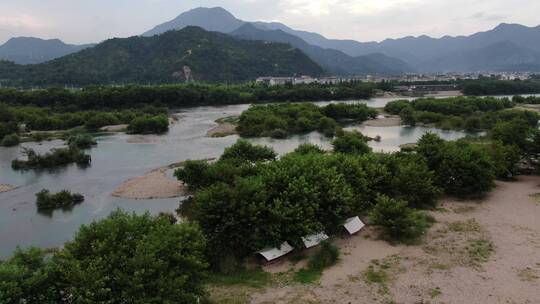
(148, 124)
(81, 141)
(10, 140)
(243, 151)
(351, 142)
(55, 158)
(400, 222)
(326, 256)
(308, 148)
(63, 199)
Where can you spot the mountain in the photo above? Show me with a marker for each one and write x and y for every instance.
(210, 56)
(337, 62)
(500, 56)
(214, 19)
(334, 61)
(29, 50)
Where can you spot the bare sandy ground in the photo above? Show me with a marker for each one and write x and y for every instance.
(386, 121)
(445, 94)
(153, 185)
(6, 188)
(222, 129)
(477, 252)
(114, 128)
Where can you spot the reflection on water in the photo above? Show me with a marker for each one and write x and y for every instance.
(119, 157)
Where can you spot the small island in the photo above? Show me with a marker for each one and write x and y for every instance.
(47, 201)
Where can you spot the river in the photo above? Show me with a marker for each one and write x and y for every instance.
(119, 157)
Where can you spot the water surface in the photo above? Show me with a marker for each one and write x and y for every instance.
(119, 157)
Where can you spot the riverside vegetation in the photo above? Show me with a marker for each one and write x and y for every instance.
(249, 199)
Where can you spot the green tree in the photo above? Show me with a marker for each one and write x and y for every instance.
(400, 222)
(243, 151)
(351, 142)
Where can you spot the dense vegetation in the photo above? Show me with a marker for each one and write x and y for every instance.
(55, 158)
(500, 87)
(469, 113)
(292, 118)
(249, 202)
(60, 200)
(124, 258)
(145, 119)
(211, 56)
(181, 95)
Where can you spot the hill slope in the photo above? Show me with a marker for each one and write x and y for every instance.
(29, 50)
(211, 56)
(335, 61)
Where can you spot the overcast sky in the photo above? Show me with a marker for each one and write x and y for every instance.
(82, 21)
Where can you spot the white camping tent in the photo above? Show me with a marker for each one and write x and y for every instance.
(273, 253)
(353, 225)
(314, 239)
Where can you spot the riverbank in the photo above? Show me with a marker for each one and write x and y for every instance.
(225, 126)
(384, 121)
(6, 188)
(478, 252)
(153, 185)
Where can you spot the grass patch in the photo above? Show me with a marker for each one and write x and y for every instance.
(327, 256)
(535, 197)
(528, 274)
(435, 292)
(465, 226)
(463, 209)
(381, 273)
(479, 251)
(256, 278)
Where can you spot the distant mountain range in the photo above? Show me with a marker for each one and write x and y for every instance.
(29, 50)
(260, 50)
(210, 56)
(422, 54)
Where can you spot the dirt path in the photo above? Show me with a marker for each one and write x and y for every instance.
(477, 252)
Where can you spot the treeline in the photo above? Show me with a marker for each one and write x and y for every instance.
(141, 120)
(469, 113)
(500, 87)
(182, 95)
(281, 120)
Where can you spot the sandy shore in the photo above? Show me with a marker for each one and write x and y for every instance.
(153, 185)
(114, 128)
(222, 129)
(386, 121)
(478, 252)
(6, 188)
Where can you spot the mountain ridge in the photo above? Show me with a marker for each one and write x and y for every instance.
(210, 56)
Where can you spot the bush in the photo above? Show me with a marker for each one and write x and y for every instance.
(308, 148)
(326, 256)
(351, 142)
(63, 199)
(243, 151)
(55, 158)
(148, 124)
(81, 141)
(400, 222)
(10, 140)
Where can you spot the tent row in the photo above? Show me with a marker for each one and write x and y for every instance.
(352, 225)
